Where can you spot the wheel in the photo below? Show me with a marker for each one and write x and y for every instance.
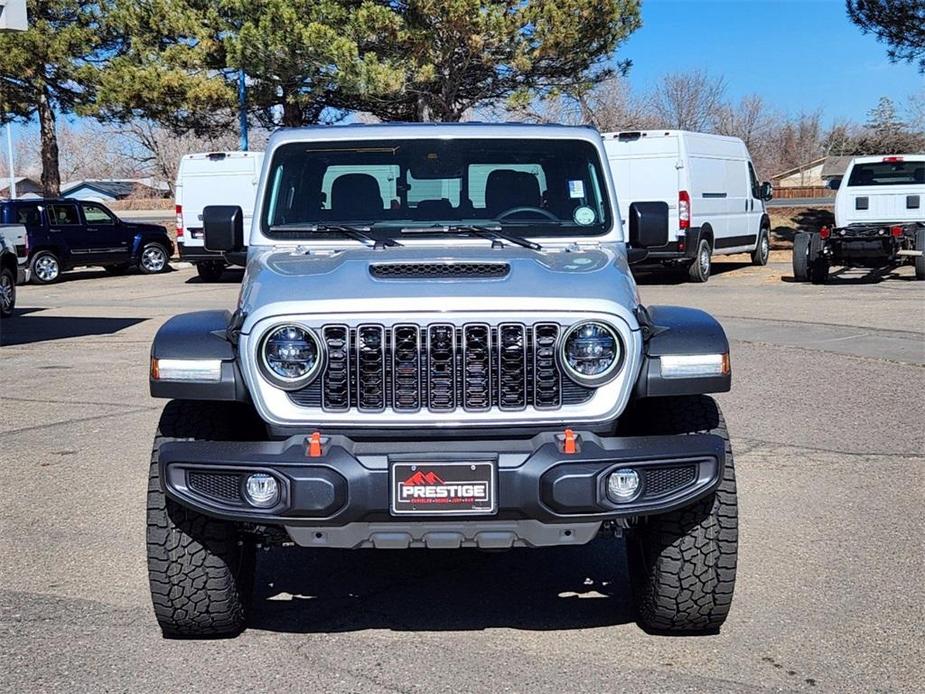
(46, 268)
(7, 292)
(200, 569)
(210, 270)
(763, 248)
(153, 259)
(699, 269)
(801, 243)
(683, 563)
(819, 264)
(119, 269)
(920, 259)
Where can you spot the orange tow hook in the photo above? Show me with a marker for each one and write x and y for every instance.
(569, 445)
(314, 445)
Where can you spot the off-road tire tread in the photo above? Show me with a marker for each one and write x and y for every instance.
(200, 569)
(684, 562)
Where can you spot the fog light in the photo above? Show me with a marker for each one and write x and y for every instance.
(261, 490)
(622, 485)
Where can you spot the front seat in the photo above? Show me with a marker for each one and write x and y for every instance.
(506, 189)
(356, 196)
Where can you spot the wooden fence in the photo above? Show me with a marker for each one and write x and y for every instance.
(803, 192)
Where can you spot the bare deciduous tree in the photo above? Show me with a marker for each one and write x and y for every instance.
(688, 100)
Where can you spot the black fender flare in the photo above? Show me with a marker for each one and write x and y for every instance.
(675, 330)
(198, 335)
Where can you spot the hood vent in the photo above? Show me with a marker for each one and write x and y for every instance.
(439, 271)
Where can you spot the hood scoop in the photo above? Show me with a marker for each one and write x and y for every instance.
(454, 270)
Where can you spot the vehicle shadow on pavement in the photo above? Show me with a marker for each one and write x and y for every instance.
(671, 276)
(858, 276)
(28, 326)
(230, 276)
(317, 591)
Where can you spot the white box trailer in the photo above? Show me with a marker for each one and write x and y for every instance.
(212, 178)
(716, 205)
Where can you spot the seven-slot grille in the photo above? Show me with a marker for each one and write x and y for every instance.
(441, 367)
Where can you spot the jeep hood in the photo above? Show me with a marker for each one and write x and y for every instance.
(394, 281)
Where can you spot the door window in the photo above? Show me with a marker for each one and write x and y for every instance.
(96, 215)
(64, 215)
(756, 187)
(28, 215)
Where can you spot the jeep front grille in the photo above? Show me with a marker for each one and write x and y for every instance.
(441, 367)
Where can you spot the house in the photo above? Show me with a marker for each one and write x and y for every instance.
(813, 174)
(26, 187)
(108, 190)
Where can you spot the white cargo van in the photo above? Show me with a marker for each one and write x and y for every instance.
(212, 178)
(882, 190)
(715, 202)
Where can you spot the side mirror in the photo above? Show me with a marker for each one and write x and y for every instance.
(223, 228)
(648, 224)
(834, 184)
(767, 191)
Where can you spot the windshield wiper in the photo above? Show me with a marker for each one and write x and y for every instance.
(357, 233)
(492, 233)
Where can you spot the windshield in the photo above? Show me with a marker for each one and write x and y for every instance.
(528, 187)
(897, 173)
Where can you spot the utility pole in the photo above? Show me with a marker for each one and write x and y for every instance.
(242, 110)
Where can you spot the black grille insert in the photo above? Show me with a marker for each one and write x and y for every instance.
(336, 390)
(221, 486)
(664, 480)
(371, 367)
(416, 271)
(406, 368)
(477, 367)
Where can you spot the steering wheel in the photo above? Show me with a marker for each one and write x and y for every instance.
(518, 210)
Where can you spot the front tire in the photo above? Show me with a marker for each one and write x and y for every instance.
(763, 248)
(683, 563)
(200, 569)
(7, 292)
(699, 269)
(45, 267)
(153, 259)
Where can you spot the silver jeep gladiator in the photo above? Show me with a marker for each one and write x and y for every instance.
(439, 343)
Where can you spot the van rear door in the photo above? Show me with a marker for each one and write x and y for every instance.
(645, 167)
(218, 178)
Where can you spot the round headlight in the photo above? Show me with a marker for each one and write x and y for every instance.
(591, 353)
(290, 356)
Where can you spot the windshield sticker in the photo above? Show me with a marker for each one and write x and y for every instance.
(584, 216)
(576, 189)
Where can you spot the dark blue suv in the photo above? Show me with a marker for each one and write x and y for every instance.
(65, 233)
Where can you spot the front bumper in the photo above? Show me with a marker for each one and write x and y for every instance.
(341, 498)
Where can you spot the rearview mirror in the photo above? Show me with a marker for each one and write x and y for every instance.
(648, 224)
(767, 191)
(223, 228)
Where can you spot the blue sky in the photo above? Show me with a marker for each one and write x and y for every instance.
(797, 54)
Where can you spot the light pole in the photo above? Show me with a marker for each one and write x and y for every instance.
(13, 17)
(242, 110)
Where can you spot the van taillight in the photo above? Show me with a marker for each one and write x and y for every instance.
(179, 221)
(684, 209)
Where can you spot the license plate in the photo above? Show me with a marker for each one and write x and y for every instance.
(460, 488)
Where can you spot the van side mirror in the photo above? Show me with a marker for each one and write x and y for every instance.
(834, 184)
(767, 191)
(223, 228)
(648, 224)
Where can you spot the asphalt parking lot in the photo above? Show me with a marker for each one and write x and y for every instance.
(828, 422)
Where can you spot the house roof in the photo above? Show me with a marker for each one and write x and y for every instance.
(835, 166)
(115, 189)
(800, 168)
